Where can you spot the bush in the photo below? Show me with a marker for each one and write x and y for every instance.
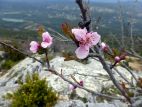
(7, 64)
(12, 54)
(33, 93)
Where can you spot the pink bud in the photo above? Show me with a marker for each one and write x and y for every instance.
(72, 87)
(81, 83)
(117, 59)
(104, 46)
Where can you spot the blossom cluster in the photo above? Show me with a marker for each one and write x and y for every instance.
(47, 41)
(85, 39)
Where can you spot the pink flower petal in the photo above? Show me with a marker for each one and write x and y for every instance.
(79, 33)
(47, 40)
(95, 38)
(45, 36)
(34, 46)
(71, 87)
(103, 45)
(45, 44)
(82, 52)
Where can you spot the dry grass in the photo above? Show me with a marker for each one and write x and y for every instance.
(135, 64)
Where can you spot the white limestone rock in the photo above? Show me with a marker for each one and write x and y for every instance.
(93, 75)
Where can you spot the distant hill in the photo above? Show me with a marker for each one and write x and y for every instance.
(102, 1)
(28, 14)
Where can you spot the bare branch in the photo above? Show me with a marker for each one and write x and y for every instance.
(121, 22)
(105, 66)
(124, 78)
(17, 50)
(130, 71)
(88, 90)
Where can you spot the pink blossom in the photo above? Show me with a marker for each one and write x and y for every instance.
(86, 41)
(34, 46)
(72, 87)
(46, 40)
(117, 59)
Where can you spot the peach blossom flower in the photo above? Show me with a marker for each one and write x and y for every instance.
(86, 41)
(46, 40)
(34, 46)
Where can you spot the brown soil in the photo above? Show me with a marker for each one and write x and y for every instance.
(135, 64)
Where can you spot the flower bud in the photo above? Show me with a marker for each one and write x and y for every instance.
(104, 47)
(117, 59)
(81, 83)
(72, 87)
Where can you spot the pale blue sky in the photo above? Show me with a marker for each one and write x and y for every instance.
(113, 0)
(74, 0)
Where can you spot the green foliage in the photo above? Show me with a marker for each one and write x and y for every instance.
(12, 57)
(113, 91)
(110, 91)
(140, 53)
(12, 54)
(7, 64)
(33, 93)
(1, 58)
(19, 34)
(73, 94)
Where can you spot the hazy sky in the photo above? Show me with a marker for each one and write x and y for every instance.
(113, 0)
(74, 0)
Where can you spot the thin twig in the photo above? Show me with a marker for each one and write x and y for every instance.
(47, 60)
(109, 71)
(88, 90)
(134, 54)
(129, 70)
(124, 78)
(17, 50)
(122, 23)
(62, 36)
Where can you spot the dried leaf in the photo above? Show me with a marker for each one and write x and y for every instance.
(67, 31)
(68, 56)
(139, 84)
(41, 30)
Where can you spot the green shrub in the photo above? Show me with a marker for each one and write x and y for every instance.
(1, 58)
(33, 93)
(7, 64)
(12, 54)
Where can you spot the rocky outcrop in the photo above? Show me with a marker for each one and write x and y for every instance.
(2, 61)
(93, 75)
(78, 103)
(2, 54)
